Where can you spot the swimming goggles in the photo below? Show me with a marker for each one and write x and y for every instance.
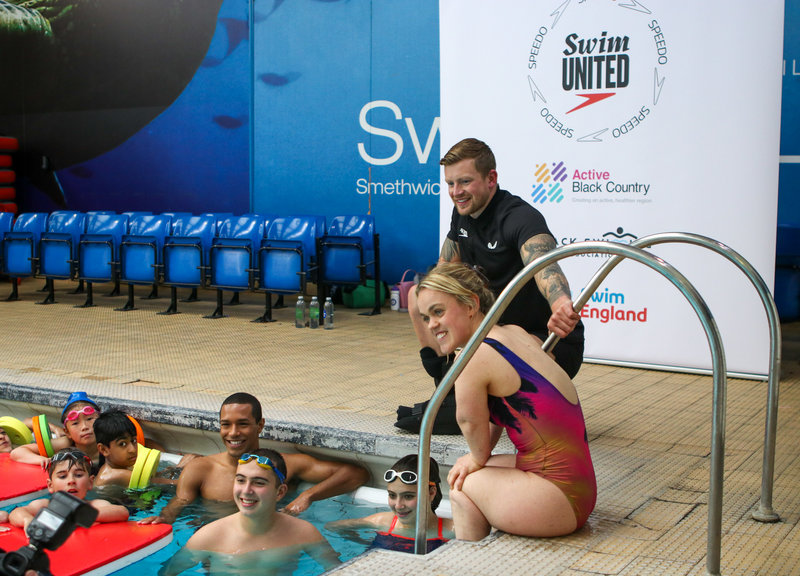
(70, 454)
(264, 462)
(406, 476)
(75, 414)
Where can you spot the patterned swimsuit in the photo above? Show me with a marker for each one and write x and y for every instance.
(391, 541)
(549, 433)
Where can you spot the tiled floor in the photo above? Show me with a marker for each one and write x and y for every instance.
(337, 390)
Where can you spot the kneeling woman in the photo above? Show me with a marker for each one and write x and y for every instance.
(548, 488)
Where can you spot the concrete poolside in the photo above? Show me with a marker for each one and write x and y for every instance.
(338, 390)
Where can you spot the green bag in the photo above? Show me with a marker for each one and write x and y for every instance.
(363, 296)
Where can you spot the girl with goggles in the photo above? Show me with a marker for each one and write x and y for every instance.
(78, 417)
(395, 530)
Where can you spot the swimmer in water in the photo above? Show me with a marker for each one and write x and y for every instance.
(240, 424)
(396, 529)
(257, 539)
(78, 418)
(70, 470)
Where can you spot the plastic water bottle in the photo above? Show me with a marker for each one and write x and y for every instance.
(300, 313)
(313, 313)
(327, 314)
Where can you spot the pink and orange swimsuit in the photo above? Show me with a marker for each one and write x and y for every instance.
(549, 433)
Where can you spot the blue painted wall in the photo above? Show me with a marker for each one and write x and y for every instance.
(346, 116)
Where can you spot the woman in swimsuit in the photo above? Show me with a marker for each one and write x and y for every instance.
(396, 529)
(548, 488)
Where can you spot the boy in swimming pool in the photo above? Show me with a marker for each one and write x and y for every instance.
(78, 418)
(396, 529)
(240, 424)
(116, 442)
(257, 538)
(69, 470)
(5, 442)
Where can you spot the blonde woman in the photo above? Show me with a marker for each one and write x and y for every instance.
(549, 487)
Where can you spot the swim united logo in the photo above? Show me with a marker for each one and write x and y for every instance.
(547, 187)
(596, 69)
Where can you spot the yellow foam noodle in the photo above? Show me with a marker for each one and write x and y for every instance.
(16, 430)
(136, 473)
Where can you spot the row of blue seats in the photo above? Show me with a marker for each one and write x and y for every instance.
(271, 254)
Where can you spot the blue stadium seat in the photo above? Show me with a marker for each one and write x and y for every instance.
(186, 254)
(233, 258)
(348, 254)
(219, 218)
(6, 224)
(173, 216)
(21, 248)
(140, 253)
(98, 252)
(58, 249)
(287, 258)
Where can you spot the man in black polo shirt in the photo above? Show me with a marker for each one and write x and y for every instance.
(501, 233)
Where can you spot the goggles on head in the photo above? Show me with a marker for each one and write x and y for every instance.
(406, 477)
(75, 414)
(71, 455)
(264, 462)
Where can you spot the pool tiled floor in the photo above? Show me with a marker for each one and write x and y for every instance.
(338, 390)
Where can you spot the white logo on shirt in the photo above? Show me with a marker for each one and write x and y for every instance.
(491, 245)
(463, 233)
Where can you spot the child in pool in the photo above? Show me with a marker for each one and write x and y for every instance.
(78, 418)
(69, 470)
(257, 539)
(117, 444)
(396, 529)
(5, 442)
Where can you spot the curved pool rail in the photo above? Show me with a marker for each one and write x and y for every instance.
(511, 290)
(764, 512)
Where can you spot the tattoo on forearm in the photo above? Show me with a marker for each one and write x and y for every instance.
(551, 280)
(449, 252)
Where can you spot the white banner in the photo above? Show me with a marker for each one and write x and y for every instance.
(619, 119)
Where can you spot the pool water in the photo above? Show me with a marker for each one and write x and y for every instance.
(151, 501)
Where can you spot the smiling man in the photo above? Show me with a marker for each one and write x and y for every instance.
(257, 539)
(212, 477)
(499, 233)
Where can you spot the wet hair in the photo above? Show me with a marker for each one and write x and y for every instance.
(113, 425)
(460, 281)
(245, 398)
(276, 458)
(409, 462)
(73, 457)
(471, 149)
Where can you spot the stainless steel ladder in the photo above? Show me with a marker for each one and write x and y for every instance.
(635, 252)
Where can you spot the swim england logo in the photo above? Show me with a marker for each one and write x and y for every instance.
(596, 68)
(547, 187)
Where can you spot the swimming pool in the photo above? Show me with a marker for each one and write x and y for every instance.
(150, 502)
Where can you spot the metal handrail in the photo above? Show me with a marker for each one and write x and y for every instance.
(765, 512)
(511, 290)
